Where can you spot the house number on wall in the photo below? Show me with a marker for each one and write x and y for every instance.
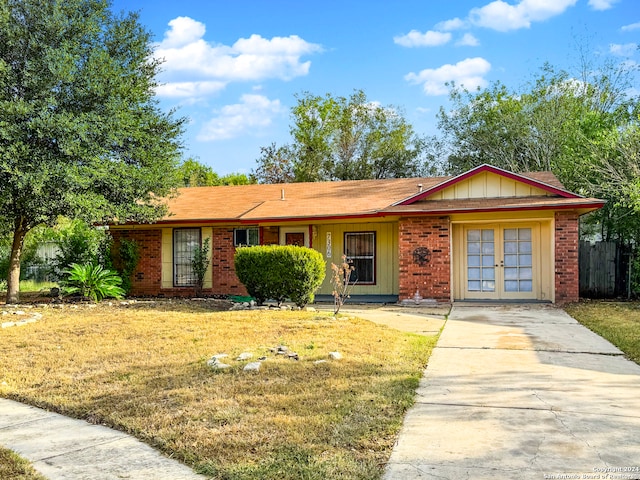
(329, 253)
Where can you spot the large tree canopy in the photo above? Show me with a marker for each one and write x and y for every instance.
(338, 138)
(81, 133)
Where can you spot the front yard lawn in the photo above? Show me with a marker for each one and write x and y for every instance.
(144, 371)
(618, 322)
(16, 468)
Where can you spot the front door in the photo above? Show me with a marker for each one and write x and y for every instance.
(500, 261)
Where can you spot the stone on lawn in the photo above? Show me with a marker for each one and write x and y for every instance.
(244, 356)
(252, 367)
(216, 364)
(335, 355)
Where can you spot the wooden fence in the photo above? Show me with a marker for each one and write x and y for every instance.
(604, 269)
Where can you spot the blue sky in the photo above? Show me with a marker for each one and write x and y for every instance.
(233, 67)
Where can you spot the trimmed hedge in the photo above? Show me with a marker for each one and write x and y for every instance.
(280, 272)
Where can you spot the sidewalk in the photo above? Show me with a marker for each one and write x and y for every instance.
(63, 448)
(521, 391)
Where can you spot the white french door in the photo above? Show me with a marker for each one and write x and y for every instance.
(500, 261)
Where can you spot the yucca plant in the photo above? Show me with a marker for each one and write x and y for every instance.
(93, 281)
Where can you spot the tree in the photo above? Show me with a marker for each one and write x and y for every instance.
(276, 164)
(192, 173)
(338, 138)
(553, 124)
(81, 133)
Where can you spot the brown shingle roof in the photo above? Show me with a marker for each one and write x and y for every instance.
(356, 198)
(319, 199)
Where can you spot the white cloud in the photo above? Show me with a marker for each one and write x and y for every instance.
(184, 30)
(190, 89)
(253, 113)
(453, 24)
(468, 40)
(416, 39)
(626, 50)
(468, 72)
(631, 27)
(601, 4)
(502, 16)
(191, 62)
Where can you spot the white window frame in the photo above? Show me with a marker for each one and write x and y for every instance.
(249, 232)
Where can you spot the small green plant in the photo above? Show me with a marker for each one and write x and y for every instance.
(129, 257)
(93, 281)
(341, 274)
(200, 264)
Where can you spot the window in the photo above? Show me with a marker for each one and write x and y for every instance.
(185, 242)
(246, 236)
(360, 249)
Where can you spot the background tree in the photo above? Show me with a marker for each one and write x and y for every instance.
(276, 164)
(338, 138)
(81, 133)
(192, 173)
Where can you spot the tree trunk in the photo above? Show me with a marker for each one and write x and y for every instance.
(13, 280)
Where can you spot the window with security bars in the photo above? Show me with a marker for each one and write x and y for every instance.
(360, 249)
(185, 243)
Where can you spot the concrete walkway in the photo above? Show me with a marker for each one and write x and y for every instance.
(63, 448)
(521, 391)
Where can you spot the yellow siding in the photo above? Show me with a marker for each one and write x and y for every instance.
(386, 255)
(488, 185)
(167, 258)
(547, 261)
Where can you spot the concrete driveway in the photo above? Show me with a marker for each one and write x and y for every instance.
(521, 392)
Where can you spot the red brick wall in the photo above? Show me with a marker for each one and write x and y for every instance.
(225, 280)
(566, 252)
(433, 280)
(147, 277)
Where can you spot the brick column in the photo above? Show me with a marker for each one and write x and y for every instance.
(566, 252)
(225, 280)
(433, 279)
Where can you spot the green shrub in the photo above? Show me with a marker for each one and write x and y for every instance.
(129, 256)
(82, 244)
(93, 281)
(280, 272)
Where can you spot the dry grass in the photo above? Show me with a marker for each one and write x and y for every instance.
(16, 468)
(144, 371)
(617, 322)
